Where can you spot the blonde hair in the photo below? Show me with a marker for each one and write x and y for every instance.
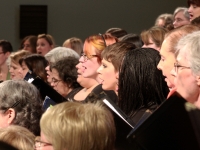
(77, 126)
(17, 136)
(15, 57)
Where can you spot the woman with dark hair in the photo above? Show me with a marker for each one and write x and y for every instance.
(141, 85)
(64, 76)
(29, 43)
(194, 9)
(20, 104)
(36, 64)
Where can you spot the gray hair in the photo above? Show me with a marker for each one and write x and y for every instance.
(189, 46)
(184, 10)
(25, 99)
(60, 52)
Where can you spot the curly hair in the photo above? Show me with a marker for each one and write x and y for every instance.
(67, 71)
(140, 82)
(25, 99)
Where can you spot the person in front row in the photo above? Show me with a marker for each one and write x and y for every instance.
(77, 126)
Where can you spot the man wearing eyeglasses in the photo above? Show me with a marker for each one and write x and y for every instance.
(5, 50)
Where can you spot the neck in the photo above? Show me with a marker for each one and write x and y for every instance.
(4, 68)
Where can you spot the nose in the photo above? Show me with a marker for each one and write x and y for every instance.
(173, 72)
(47, 68)
(99, 70)
(81, 59)
(190, 9)
(159, 66)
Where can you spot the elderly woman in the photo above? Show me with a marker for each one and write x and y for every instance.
(64, 76)
(76, 126)
(187, 68)
(181, 17)
(20, 104)
(56, 54)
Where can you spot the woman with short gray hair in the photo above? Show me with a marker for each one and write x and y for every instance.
(187, 68)
(181, 17)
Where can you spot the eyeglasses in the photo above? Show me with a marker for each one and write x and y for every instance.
(55, 81)
(176, 66)
(2, 53)
(39, 143)
(85, 57)
(103, 39)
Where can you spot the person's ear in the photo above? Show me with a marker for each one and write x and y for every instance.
(117, 75)
(7, 54)
(10, 115)
(198, 80)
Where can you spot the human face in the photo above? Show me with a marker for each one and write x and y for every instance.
(194, 11)
(24, 69)
(3, 57)
(180, 20)
(108, 76)
(27, 46)
(48, 71)
(151, 44)
(15, 71)
(61, 87)
(166, 63)
(160, 23)
(42, 143)
(90, 65)
(185, 80)
(43, 46)
(80, 69)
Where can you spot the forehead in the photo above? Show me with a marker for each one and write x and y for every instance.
(179, 14)
(89, 48)
(42, 40)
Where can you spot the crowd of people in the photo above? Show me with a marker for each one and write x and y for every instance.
(137, 73)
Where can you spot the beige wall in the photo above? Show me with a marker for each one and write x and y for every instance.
(81, 18)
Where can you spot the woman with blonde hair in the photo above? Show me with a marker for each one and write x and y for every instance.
(17, 136)
(76, 126)
(45, 43)
(15, 67)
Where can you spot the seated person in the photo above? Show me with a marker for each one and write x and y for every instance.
(76, 126)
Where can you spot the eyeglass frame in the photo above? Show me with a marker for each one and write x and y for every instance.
(85, 57)
(55, 81)
(41, 143)
(176, 66)
(2, 53)
(13, 106)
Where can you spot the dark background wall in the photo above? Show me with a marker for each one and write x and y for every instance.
(81, 18)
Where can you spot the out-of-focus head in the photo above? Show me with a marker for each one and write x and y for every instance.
(5, 50)
(132, 38)
(153, 37)
(194, 9)
(116, 32)
(29, 43)
(165, 20)
(167, 51)
(74, 43)
(45, 43)
(17, 136)
(187, 67)
(64, 75)
(15, 67)
(57, 54)
(91, 58)
(112, 58)
(196, 21)
(141, 84)
(20, 104)
(78, 126)
(181, 17)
